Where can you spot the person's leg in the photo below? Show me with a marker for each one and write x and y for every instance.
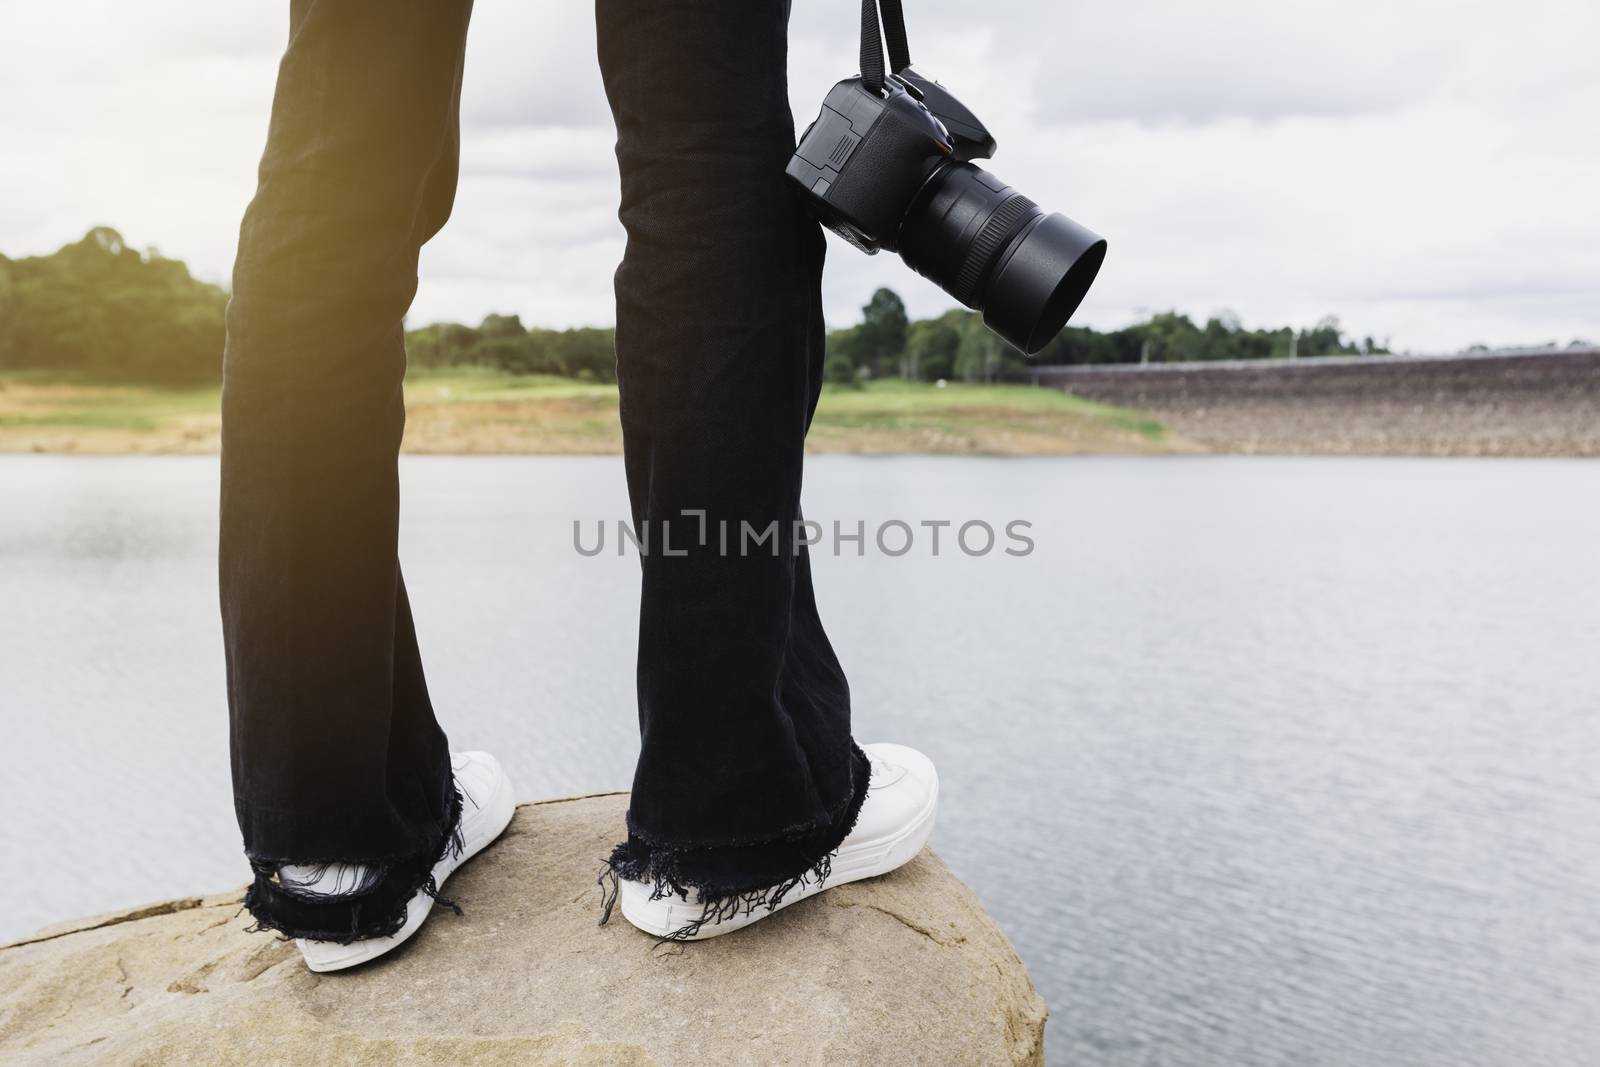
(748, 777)
(336, 754)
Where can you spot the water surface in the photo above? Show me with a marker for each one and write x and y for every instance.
(1258, 761)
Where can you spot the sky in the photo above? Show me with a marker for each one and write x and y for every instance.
(1428, 171)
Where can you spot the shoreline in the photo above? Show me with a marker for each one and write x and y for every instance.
(489, 413)
(1523, 404)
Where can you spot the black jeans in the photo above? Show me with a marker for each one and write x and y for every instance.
(748, 776)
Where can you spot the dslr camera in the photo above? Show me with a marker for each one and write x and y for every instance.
(888, 165)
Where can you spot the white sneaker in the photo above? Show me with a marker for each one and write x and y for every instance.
(487, 803)
(896, 820)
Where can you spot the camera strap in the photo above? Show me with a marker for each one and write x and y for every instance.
(894, 28)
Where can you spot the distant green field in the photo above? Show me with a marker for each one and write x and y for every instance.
(896, 405)
(469, 410)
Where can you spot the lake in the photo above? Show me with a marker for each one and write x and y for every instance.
(1256, 760)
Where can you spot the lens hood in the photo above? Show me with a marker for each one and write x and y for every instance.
(1040, 280)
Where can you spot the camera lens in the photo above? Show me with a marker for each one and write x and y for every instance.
(998, 252)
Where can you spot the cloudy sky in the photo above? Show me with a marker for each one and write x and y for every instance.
(1429, 171)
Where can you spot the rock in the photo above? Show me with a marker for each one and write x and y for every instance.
(906, 968)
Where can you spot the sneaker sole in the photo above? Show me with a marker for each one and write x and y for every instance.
(667, 916)
(495, 816)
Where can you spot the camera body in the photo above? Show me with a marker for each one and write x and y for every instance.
(892, 169)
(868, 154)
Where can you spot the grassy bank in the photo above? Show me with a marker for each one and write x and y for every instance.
(491, 412)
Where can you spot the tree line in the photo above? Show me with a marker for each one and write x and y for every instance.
(99, 310)
(956, 345)
(504, 343)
